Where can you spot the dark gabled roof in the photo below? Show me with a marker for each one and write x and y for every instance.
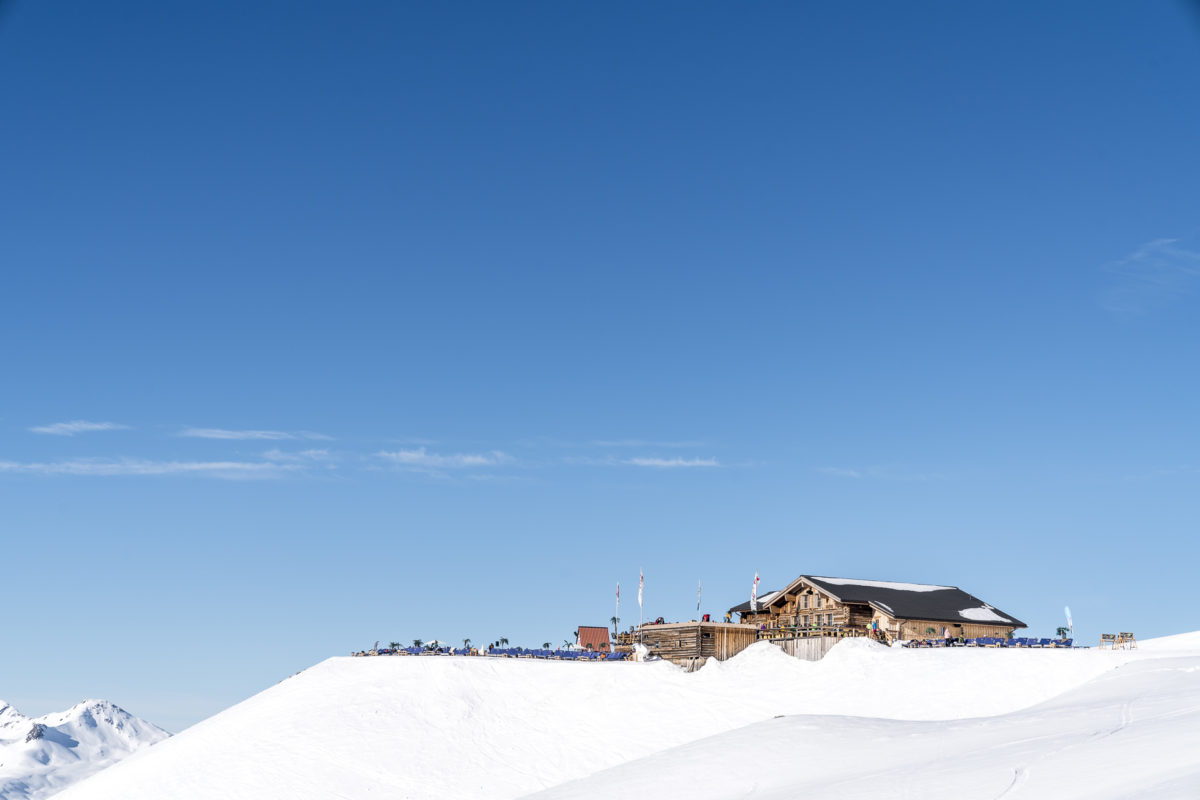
(763, 600)
(914, 600)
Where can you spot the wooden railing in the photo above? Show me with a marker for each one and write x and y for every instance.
(803, 632)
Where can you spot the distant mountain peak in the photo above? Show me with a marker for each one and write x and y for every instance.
(41, 756)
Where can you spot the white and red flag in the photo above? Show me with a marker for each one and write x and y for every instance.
(641, 585)
(754, 593)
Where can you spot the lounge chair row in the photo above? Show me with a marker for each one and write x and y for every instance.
(566, 655)
(991, 641)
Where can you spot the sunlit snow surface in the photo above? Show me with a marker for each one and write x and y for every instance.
(902, 587)
(867, 721)
(983, 614)
(39, 756)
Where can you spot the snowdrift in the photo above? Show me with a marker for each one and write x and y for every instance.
(501, 728)
(1131, 733)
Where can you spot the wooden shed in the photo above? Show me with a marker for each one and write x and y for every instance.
(592, 637)
(689, 644)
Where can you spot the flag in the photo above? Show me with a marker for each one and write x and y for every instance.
(618, 591)
(754, 593)
(641, 584)
(697, 597)
(1070, 624)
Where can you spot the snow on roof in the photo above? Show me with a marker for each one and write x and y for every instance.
(984, 613)
(902, 587)
(898, 599)
(913, 600)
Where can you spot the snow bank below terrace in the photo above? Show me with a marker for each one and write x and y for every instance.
(1134, 732)
(502, 728)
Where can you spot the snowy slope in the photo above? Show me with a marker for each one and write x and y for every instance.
(40, 756)
(1134, 732)
(502, 728)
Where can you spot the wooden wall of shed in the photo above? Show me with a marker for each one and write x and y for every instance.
(723, 642)
(681, 643)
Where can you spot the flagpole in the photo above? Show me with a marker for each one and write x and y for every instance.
(641, 618)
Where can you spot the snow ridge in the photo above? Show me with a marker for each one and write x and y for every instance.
(502, 728)
(40, 756)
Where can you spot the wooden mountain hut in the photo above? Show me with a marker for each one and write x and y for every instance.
(590, 637)
(812, 605)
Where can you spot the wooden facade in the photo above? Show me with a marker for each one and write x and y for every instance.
(932, 629)
(689, 644)
(811, 607)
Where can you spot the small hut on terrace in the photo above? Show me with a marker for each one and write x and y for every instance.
(814, 605)
(596, 637)
(690, 644)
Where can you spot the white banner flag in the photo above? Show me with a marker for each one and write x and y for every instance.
(697, 597)
(754, 593)
(1070, 623)
(641, 585)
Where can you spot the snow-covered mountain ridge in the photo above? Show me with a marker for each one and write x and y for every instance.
(461, 727)
(40, 756)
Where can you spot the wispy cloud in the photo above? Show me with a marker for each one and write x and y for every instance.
(671, 463)
(413, 440)
(301, 456)
(77, 426)
(110, 467)
(420, 457)
(886, 473)
(643, 443)
(1151, 275)
(224, 433)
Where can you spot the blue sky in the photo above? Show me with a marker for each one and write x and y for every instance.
(404, 320)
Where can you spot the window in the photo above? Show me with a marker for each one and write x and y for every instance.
(820, 601)
(829, 619)
(805, 601)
